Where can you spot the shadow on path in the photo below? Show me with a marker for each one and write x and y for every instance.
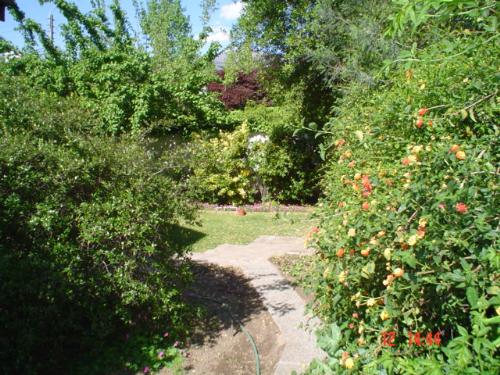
(218, 345)
(226, 295)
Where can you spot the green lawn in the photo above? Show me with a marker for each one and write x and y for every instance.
(227, 227)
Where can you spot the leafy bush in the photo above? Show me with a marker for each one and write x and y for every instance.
(220, 169)
(286, 165)
(86, 247)
(408, 239)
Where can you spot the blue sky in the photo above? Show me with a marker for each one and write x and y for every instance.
(223, 18)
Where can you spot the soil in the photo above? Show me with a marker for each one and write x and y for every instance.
(219, 346)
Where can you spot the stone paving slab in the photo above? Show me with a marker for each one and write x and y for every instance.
(286, 307)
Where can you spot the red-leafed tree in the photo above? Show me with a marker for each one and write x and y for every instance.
(234, 96)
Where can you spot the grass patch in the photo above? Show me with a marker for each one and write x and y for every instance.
(219, 227)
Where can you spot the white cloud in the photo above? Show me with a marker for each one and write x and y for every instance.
(231, 11)
(219, 34)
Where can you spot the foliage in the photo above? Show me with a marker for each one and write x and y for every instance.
(409, 228)
(245, 87)
(129, 88)
(86, 224)
(220, 169)
(413, 15)
(240, 60)
(286, 165)
(262, 159)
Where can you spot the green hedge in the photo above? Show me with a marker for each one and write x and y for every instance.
(86, 226)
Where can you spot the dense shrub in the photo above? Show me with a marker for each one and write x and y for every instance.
(86, 248)
(263, 159)
(287, 164)
(220, 171)
(409, 235)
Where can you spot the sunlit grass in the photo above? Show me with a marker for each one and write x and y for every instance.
(219, 227)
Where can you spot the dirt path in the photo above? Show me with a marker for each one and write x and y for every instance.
(261, 299)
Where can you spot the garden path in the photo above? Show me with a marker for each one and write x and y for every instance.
(286, 307)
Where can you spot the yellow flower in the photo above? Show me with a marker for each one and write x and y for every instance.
(351, 232)
(342, 276)
(371, 302)
(373, 241)
(412, 159)
(326, 273)
(384, 315)
(349, 363)
(356, 296)
(422, 222)
(398, 272)
(460, 155)
(417, 149)
(359, 134)
(361, 341)
(412, 240)
(357, 176)
(381, 233)
(387, 253)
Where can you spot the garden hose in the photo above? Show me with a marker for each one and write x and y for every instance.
(243, 329)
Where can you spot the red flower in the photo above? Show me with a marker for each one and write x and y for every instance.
(365, 206)
(351, 325)
(420, 122)
(367, 186)
(406, 161)
(355, 315)
(422, 111)
(340, 252)
(461, 208)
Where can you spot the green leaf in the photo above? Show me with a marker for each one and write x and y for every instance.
(368, 270)
(472, 296)
(409, 259)
(329, 339)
